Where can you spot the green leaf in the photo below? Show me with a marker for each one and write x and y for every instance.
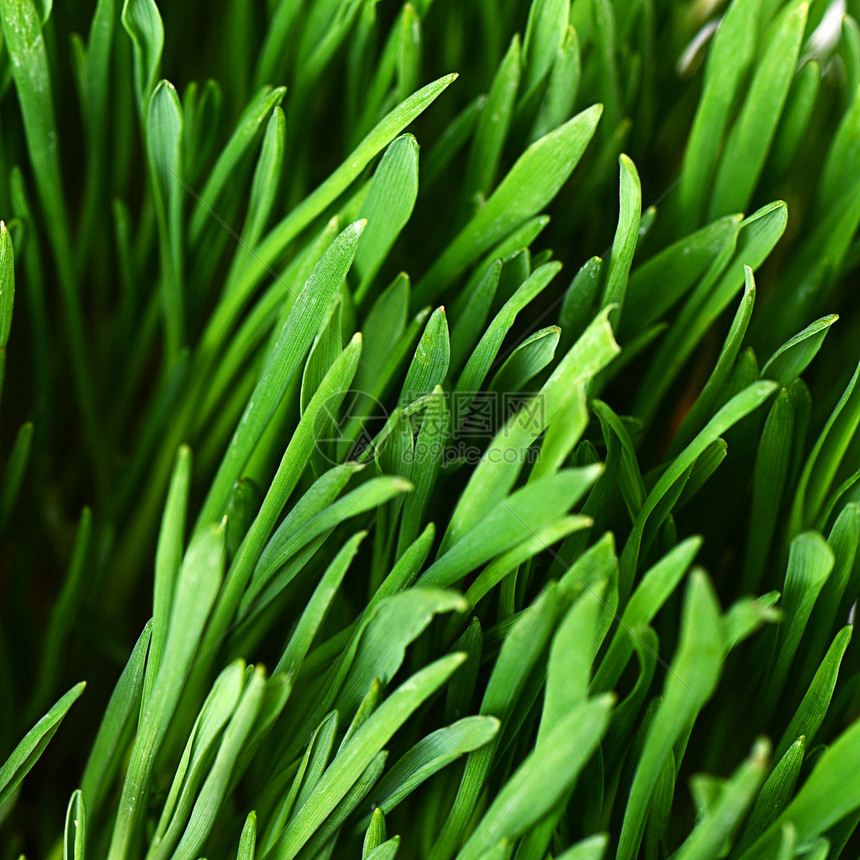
(756, 238)
(142, 21)
(522, 649)
(114, 731)
(283, 362)
(656, 587)
(810, 713)
(626, 235)
(317, 608)
(843, 157)
(580, 301)
(384, 637)
(387, 207)
(737, 408)
(248, 839)
(530, 184)
(592, 848)
(196, 759)
(691, 681)
(428, 456)
(429, 365)
(775, 793)
(746, 149)
(7, 286)
(269, 576)
(168, 558)
(351, 762)
(267, 175)
(542, 778)
(75, 837)
(810, 563)
(212, 794)
(794, 356)
(286, 230)
(663, 279)
(508, 522)
(772, 464)
(28, 751)
(545, 31)
(794, 123)
(164, 124)
(828, 795)
(729, 58)
(247, 130)
(710, 836)
(430, 755)
(562, 87)
(479, 363)
(824, 460)
(493, 123)
(703, 408)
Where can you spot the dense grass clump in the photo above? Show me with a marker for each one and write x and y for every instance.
(491, 493)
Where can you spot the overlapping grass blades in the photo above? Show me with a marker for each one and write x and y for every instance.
(509, 427)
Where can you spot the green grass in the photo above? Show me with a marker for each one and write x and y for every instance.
(430, 430)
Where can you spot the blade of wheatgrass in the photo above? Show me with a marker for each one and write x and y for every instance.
(282, 364)
(142, 21)
(351, 762)
(690, 682)
(75, 836)
(387, 208)
(116, 725)
(530, 184)
(240, 287)
(624, 243)
(28, 751)
(25, 43)
(494, 121)
(729, 59)
(164, 124)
